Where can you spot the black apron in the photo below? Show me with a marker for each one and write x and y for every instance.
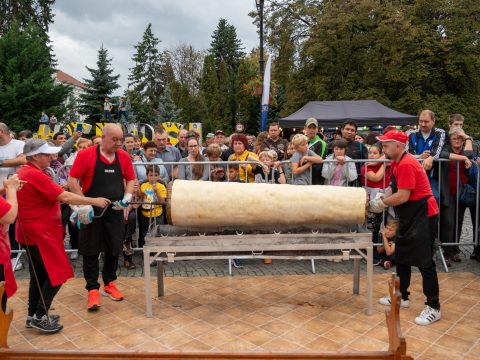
(413, 241)
(104, 234)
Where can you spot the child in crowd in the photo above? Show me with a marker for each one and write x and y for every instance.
(341, 172)
(272, 171)
(233, 174)
(375, 179)
(213, 153)
(302, 160)
(287, 167)
(385, 255)
(153, 193)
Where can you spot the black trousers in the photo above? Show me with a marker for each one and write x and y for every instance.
(41, 289)
(14, 245)
(73, 230)
(130, 227)
(4, 297)
(159, 220)
(141, 236)
(429, 274)
(91, 270)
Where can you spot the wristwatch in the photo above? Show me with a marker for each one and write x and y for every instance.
(1, 163)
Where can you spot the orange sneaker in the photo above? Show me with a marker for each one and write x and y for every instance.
(93, 300)
(112, 291)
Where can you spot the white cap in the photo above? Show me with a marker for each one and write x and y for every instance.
(44, 149)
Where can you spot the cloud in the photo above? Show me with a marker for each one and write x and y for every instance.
(81, 27)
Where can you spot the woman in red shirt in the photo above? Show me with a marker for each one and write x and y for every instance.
(8, 213)
(453, 216)
(39, 229)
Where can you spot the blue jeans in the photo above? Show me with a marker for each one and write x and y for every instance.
(435, 189)
(107, 116)
(122, 113)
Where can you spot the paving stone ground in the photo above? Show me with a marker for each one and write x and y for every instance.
(256, 267)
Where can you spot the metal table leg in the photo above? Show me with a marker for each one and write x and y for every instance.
(160, 284)
(370, 280)
(356, 276)
(148, 285)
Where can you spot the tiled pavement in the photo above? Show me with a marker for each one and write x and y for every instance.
(277, 307)
(257, 313)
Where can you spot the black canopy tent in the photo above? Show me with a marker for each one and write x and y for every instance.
(334, 113)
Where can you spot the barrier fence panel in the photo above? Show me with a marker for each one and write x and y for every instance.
(60, 176)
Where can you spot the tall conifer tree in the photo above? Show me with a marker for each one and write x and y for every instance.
(27, 84)
(146, 80)
(101, 84)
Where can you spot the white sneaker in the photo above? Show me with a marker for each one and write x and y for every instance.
(19, 265)
(387, 302)
(427, 316)
(74, 255)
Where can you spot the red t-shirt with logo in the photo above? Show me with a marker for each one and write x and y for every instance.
(410, 175)
(84, 166)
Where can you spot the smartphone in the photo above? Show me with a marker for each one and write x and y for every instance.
(79, 127)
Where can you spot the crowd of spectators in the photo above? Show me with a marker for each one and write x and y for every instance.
(348, 158)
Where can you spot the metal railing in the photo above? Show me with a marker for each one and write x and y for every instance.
(248, 172)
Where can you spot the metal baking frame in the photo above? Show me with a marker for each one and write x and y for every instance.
(352, 246)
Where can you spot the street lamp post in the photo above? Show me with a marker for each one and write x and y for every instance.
(259, 4)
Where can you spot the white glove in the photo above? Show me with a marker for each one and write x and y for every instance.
(122, 204)
(85, 214)
(74, 215)
(377, 205)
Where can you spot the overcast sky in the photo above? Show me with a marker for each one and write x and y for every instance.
(80, 27)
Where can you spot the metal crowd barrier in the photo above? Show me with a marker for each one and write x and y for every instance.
(227, 164)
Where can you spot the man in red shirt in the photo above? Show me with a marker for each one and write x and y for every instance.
(412, 198)
(103, 170)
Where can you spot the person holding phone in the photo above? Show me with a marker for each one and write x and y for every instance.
(217, 172)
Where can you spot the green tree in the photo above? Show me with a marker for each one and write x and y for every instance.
(248, 106)
(409, 55)
(226, 46)
(227, 116)
(187, 64)
(211, 95)
(227, 51)
(146, 78)
(24, 13)
(27, 84)
(101, 84)
(167, 111)
(191, 104)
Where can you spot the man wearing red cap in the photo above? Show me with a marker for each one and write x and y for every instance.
(412, 198)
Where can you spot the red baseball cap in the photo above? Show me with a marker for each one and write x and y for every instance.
(394, 135)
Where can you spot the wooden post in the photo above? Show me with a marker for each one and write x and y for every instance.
(5, 319)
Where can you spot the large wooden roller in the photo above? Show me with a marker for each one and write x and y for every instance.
(205, 204)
